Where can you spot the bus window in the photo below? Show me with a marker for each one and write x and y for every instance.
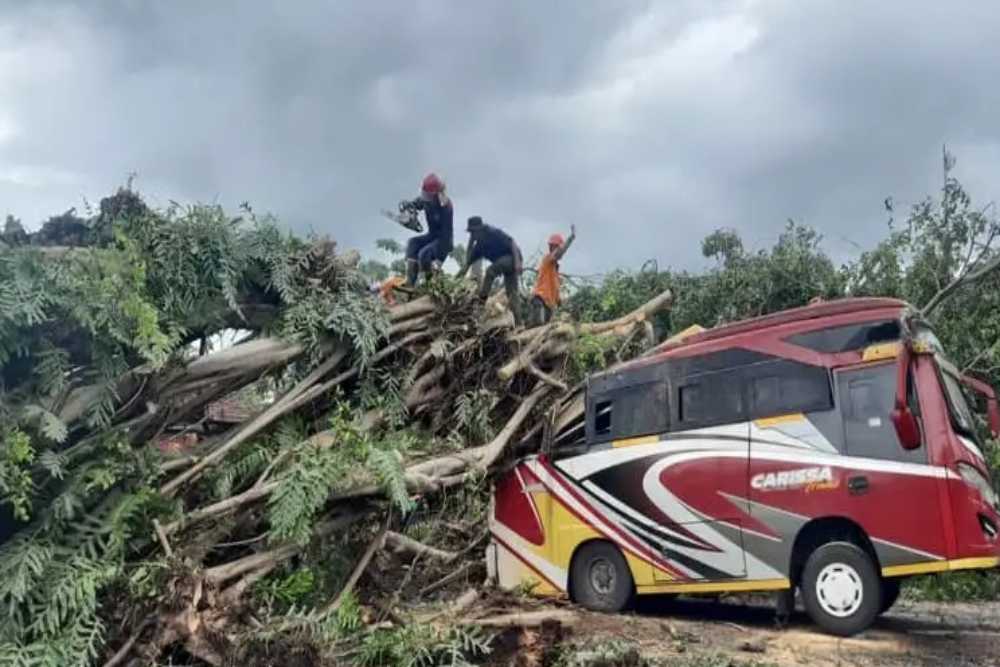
(602, 419)
(690, 404)
(784, 387)
(630, 412)
(958, 407)
(849, 337)
(710, 399)
(866, 399)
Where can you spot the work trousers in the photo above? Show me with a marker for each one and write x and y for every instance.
(504, 266)
(540, 311)
(421, 252)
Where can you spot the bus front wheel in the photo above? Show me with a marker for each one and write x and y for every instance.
(841, 588)
(890, 593)
(600, 578)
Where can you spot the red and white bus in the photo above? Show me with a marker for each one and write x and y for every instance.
(830, 448)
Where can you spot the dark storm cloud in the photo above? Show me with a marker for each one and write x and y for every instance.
(647, 123)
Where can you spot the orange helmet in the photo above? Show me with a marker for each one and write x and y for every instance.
(556, 239)
(432, 184)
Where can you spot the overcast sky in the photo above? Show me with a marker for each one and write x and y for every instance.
(648, 124)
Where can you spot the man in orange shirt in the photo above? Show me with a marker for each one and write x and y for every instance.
(386, 287)
(545, 296)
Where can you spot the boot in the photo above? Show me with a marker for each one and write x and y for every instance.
(412, 271)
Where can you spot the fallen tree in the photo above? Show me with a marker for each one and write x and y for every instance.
(341, 516)
(124, 548)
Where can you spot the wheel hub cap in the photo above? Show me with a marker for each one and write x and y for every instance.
(839, 590)
(602, 576)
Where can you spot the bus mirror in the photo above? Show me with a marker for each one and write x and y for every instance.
(903, 419)
(993, 411)
(907, 428)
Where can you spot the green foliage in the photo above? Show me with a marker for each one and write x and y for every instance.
(252, 460)
(742, 285)
(148, 283)
(589, 354)
(391, 247)
(316, 472)
(348, 615)
(16, 485)
(788, 275)
(387, 464)
(303, 491)
(446, 289)
(472, 417)
(98, 292)
(51, 579)
(618, 294)
(382, 390)
(725, 245)
(955, 587)
(422, 646)
(289, 589)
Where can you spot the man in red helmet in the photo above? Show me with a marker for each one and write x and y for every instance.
(545, 296)
(430, 250)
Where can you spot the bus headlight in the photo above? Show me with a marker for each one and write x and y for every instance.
(972, 475)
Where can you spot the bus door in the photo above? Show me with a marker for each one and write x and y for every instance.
(702, 479)
(794, 429)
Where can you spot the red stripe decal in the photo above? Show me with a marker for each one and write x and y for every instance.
(635, 547)
(526, 563)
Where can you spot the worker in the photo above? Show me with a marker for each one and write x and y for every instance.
(428, 251)
(386, 289)
(545, 296)
(487, 242)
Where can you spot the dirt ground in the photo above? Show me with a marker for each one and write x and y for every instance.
(736, 632)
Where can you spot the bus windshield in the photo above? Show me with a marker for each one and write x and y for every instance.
(962, 418)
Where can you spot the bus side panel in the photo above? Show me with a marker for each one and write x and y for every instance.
(797, 475)
(976, 524)
(898, 508)
(521, 524)
(661, 502)
(535, 536)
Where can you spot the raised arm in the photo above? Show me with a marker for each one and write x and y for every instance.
(561, 250)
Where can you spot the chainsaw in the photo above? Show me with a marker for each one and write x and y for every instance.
(407, 216)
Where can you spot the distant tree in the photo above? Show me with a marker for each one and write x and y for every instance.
(724, 245)
(13, 232)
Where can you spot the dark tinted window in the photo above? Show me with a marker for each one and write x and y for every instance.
(849, 337)
(866, 397)
(710, 399)
(784, 387)
(629, 412)
(602, 419)
(691, 404)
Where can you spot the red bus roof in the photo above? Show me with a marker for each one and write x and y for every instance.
(758, 333)
(804, 313)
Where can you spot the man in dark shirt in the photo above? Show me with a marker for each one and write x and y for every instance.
(486, 242)
(426, 250)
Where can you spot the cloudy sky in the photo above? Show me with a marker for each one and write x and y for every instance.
(648, 124)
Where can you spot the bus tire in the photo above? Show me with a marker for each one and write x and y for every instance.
(600, 578)
(841, 589)
(890, 593)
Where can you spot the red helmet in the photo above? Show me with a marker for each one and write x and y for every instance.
(432, 184)
(556, 239)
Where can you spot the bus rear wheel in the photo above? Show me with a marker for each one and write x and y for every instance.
(841, 588)
(600, 578)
